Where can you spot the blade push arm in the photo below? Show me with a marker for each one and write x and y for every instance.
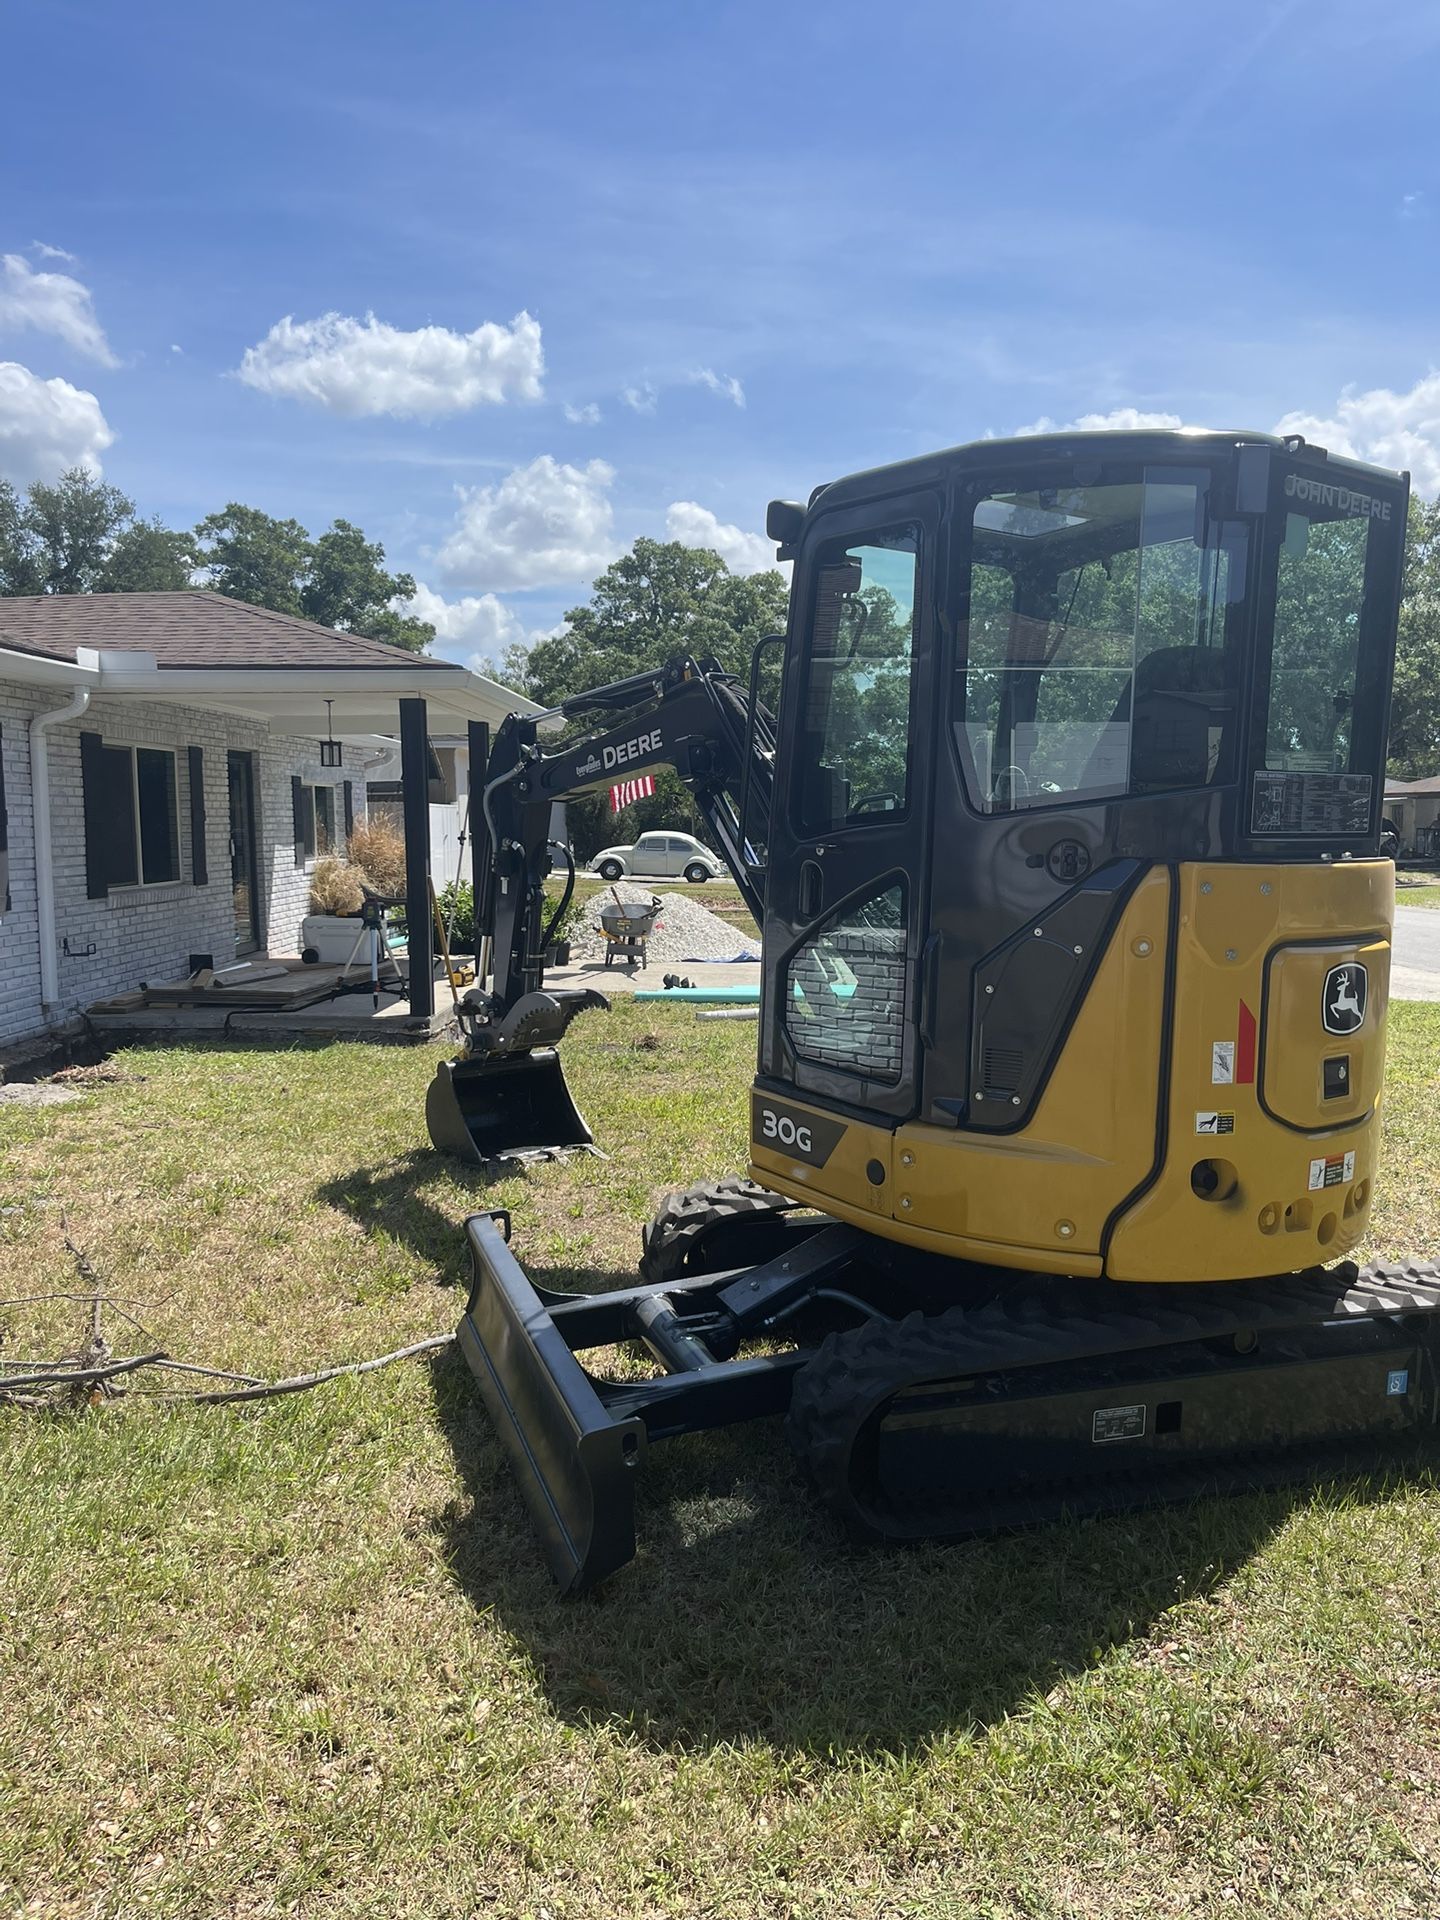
(696, 718)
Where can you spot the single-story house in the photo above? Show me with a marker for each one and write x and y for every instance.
(1414, 806)
(172, 764)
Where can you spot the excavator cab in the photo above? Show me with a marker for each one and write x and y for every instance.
(1065, 842)
(1081, 773)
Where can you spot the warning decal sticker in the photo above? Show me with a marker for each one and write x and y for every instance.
(1334, 1171)
(1245, 1048)
(1214, 1123)
(1222, 1063)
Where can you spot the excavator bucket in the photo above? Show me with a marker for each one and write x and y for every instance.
(505, 1107)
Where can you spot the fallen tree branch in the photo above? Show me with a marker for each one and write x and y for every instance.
(79, 1256)
(211, 1373)
(111, 1300)
(272, 1388)
(62, 1376)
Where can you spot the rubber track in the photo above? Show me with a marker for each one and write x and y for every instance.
(672, 1239)
(855, 1373)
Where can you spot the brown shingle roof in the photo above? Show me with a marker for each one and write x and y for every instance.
(192, 629)
(1403, 789)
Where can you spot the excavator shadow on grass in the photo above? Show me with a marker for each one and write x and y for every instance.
(748, 1614)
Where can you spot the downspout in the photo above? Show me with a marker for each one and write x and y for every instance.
(366, 767)
(44, 856)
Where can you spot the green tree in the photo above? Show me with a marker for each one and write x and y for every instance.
(21, 570)
(148, 558)
(1414, 750)
(66, 529)
(338, 580)
(347, 587)
(251, 556)
(658, 601)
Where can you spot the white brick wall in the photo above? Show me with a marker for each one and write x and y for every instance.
(143, 933)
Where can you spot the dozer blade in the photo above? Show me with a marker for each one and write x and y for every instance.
(513, 1106)
(574, 1458)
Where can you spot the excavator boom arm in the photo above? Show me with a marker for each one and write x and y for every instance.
(690, 715)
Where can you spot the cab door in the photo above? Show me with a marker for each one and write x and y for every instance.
(846, 894)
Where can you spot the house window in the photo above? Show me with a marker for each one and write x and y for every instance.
(324, 819)
(315, 813)
(4, 837)
(132, 828)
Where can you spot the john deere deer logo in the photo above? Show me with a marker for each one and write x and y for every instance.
(1347, 989)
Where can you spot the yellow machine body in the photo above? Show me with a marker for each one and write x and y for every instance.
(1200, 1117)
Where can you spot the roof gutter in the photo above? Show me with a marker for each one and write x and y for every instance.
(40, 726)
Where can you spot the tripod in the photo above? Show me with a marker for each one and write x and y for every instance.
(377, 954)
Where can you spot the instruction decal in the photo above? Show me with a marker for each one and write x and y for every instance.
(1117, 1423)
(1214, 1123)
(1335, 1170)
(1222, 1063)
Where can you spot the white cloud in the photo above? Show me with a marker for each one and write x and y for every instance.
(586, 416)
(50, 303)
(1390, 429)
(482, 622)
(641, 399)
(1412, 205)
(175, 349)
(358, 367)
(1118, 420)
(696, 526)
(543, 525)
(47, 426)
(729, 388)
(47, 252)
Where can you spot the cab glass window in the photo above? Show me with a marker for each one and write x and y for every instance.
(1101, 652)
(1315, 651)
(845, 989)
(854, 760)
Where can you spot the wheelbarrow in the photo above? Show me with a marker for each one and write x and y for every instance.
(627, 926)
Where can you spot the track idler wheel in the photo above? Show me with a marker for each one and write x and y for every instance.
(732, 1222)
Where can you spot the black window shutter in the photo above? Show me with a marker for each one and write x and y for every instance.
(4, 835)
(349, 807)
(92, 780)
(199, 869)
(297, 808)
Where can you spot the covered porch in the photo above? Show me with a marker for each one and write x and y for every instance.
(361, 721)
(147, 861)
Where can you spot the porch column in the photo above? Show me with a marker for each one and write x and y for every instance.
(415, 787)
(478, 735)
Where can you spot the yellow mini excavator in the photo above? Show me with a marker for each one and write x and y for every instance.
(1064, 839)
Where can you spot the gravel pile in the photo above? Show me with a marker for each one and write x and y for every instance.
(684, 931)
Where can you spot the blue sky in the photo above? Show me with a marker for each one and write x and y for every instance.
(759, 245)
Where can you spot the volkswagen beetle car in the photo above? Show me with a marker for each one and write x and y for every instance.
(656, 855)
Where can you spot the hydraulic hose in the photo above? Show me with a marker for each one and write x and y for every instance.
(559, 913)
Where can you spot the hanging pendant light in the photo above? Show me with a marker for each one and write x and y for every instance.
(331, 749)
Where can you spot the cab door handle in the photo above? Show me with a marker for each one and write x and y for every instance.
(929, 987)
(812, 889)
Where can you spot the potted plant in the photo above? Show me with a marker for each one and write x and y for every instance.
(327, 933)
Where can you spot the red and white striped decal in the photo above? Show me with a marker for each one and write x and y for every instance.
(626, 792)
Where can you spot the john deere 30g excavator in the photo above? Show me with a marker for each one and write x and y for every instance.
(1064, 841)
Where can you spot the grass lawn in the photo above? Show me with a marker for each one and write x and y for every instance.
(303, 1658)
(1417, 889)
